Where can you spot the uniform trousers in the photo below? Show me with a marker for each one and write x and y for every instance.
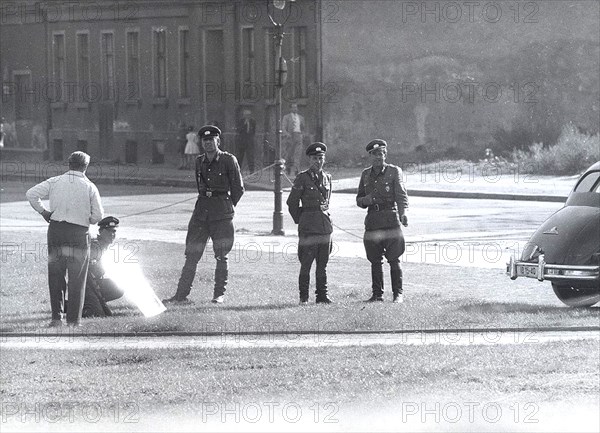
(294, 141)
(313, 247)
(222, 234)
(388, 243)
(68, 255)
(245, 146)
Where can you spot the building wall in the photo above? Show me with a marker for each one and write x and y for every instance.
(22, 107)
(78, 113)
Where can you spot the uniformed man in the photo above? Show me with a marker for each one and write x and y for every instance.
(313, 188)
(100, 290)
(220, 187)
(382, 192)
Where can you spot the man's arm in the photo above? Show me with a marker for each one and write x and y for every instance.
(97, 211)
(401, 197)
(293, 201)
(236, 184)
(36, 193)
(362, 194)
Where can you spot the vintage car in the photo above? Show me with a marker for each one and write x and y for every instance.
(565, 250)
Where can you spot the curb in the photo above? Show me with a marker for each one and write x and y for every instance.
(191, 183)
(473, 195)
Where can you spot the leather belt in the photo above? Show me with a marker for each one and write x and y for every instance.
(323, 207)
(383, 206)
(213, 193)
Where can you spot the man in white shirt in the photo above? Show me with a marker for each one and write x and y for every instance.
(293, 128)
(74, 204)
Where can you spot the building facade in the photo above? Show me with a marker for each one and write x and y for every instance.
(120, 79)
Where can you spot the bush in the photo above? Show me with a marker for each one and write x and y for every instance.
(573, 152)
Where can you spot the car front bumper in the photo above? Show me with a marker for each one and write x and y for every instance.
(551, 272)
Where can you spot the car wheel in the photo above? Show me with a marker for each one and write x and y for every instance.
(575, 296)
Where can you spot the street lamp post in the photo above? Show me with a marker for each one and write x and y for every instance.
(281, 75)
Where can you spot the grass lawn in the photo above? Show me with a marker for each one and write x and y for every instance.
(262, 296)
(369, 388)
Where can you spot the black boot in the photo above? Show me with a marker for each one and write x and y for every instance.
(396, 276)
(377, 282)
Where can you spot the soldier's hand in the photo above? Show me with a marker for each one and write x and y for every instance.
(404, 220)
(368, 200)
(46, 214)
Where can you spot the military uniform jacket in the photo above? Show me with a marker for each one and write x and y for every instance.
(96, 270)
(313, 216)
(220, 186)
(389, 194)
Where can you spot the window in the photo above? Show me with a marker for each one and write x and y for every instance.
(299, 62)
(270, 53)
(58, 47)
(108, 65)
(588, 183)
(82, 145)
(23, 95)
(184, 62)
(83, 62)
(247, 64)
(160, 63)
(133, 65)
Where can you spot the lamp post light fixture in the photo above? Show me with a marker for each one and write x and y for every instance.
(281, 77)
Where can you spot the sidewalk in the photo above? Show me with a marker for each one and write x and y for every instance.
(447, 181)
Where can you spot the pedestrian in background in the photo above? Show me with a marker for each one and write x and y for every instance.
(220, 188)
(382, 192)
(192, 149)
(293, 128)
(313, 188)
(246, 129)
(74, 204)
(181, 143)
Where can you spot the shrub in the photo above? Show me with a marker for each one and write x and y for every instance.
(573, 152)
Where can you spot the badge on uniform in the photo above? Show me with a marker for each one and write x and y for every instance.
(387, 188)
(209, 193)
(324, 207)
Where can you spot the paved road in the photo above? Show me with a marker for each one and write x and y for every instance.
(462, 232)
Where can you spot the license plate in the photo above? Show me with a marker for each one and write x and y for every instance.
(526, 271)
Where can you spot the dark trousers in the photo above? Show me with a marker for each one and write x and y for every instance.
(293, 142)
(222, 234)
(99, 291)
(245, 146)
(313, 247)
(68, 255)
(388, 243)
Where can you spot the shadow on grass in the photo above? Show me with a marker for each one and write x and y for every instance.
(519, 307)
(261, 307)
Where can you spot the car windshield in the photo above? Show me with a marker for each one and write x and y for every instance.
(589, 183)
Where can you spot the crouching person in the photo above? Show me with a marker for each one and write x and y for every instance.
(99, 290)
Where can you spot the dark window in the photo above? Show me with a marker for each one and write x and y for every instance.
(133, 65)
(108, 66)
(184, 63)
(248, 64)
(82, 145)
(160, 63)
(130, 152)
(270, 61)
(299, 62)
(83, 62)
(57, 150)
(158, 152)
(589, 183)
(23, 97)
(58, 52)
